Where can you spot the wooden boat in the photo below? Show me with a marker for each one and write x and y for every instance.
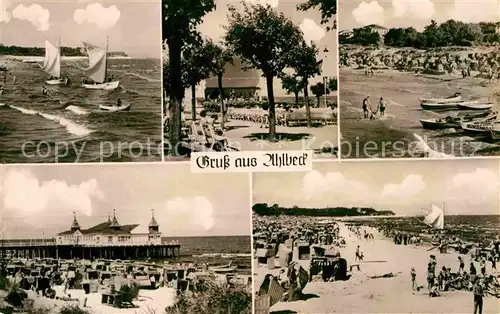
(441, 123)
(52, 63)
(440, 106)
(115, 108)
(98, 68)
(470, 105)
(495, 132)
(456, 122)
(480, 128)
(453, 98)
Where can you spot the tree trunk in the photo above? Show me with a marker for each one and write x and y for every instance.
(221, 94)
(272, 109)
(177, 93)
(193, 103)
(318, 100)
(296, 98)
(306, 100)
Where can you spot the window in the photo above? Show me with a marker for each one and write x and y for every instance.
(110, 239)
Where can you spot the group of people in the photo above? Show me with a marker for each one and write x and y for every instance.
(479, 283)
(486, 63)
(369, 113)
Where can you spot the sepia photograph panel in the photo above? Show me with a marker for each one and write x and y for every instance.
(378, 237)
(124, 239)
(81, 81)
(250, 76)
(419, 79)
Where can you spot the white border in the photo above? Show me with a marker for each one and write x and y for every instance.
(161, 90)
(250, 190)
(339, 139)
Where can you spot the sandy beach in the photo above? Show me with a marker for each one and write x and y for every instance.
(392, 136)
(251, 137)
(361, 294)
(149, 301)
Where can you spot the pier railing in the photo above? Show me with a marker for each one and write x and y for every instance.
(27, 242)
(52, 242)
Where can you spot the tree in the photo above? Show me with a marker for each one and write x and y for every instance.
(395, 37)
(263, 39)
(218, 57)
(195, 65)
(303, 61)
(332, 84)
(180, 19)
(365, 36)
(328, 9)
(433, 36)
(292, 84)
(318, 90)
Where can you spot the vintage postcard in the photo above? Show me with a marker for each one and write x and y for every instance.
(133, 238)
(378, 237)
(419, 78)
(249, 76)
(80, 81)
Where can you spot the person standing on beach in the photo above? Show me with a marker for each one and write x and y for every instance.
(413, 279)
(366, 107)
(462, 264)
(478, 296)
(381, 106)
(358, 256)
(483, 266)
(430, 276)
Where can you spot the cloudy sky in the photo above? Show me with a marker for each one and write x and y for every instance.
(416, 13)
(309, 22)
(132, 26)
(467, 186)
(41, 199)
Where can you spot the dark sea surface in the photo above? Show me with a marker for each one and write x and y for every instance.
(216, 250)
(70, 116)
(468, 227)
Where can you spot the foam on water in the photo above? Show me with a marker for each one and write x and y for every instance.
(25, 111)
(71, 126)
(77, 110)
(426, 149)
(143, 77)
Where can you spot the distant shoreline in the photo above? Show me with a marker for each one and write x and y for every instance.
(63, 58)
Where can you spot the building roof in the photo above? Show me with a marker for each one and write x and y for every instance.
(75, 224)
(153, 223)
(374, 26)
(105, 228)
(114, 222)
(236, 77)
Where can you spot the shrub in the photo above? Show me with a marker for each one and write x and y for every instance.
(129, 292)
(216, 299)
(72, 309)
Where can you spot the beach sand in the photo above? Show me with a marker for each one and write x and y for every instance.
(249, 136)
(149, 301)
(361, 294)
(392, 136)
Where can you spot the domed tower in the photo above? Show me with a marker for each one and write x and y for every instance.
(114, 223)
(153, 224)
(75, 225)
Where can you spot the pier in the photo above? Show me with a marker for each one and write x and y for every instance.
(48, 248)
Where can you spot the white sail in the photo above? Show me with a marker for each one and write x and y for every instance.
(52, 61)
(435, 218)
(97, 62)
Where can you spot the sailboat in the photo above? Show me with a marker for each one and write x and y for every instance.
(97, 69)
(52, 63)
(435, 218)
